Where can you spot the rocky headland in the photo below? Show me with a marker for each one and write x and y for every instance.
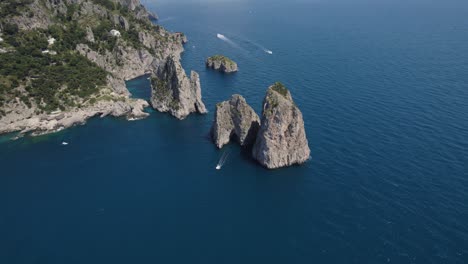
(235, 119)
(108, 41)
(278, 139)
(221, 63)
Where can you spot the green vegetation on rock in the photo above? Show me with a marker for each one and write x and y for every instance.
(105, 3)
(13, 7)
(222, 59)
(48, 80)
(280, 88)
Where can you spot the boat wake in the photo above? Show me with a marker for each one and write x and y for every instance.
(250, 42)
(243, 44)
(222, 160)
(262, 48)
(227, 40)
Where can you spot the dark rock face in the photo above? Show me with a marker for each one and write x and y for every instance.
(172, 91)
(221, 63)
(235, 118)
(281, 140)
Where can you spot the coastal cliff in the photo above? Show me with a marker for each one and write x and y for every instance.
(172, 91)
(235, 118)
(281, 140)
(64, 61)
(221, 63)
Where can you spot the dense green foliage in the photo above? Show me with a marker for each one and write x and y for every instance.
(66, 39)
(10, 29)
(106, 3)
(13, 7)
(222, 59)
(280, 88)
(104, 41)
(49, 80)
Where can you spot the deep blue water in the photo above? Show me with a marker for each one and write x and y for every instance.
(383, 87)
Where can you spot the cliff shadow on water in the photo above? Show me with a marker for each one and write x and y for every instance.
(140, 87)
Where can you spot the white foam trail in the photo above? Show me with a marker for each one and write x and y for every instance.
(221, 36)
(224, 38)
(222, 160)
(256, 45)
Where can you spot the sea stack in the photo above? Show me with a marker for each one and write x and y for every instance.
(172, 91)
(235, 118)
(221, 63)
(281, 140)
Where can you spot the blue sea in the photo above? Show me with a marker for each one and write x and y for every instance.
(383, 87)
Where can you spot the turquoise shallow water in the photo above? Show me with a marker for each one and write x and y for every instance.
(383, 88)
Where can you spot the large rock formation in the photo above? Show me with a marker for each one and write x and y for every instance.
(281, 140)
(172, 91)
(221, 63)
(235, 118)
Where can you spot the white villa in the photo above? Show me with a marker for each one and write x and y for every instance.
(115, 33)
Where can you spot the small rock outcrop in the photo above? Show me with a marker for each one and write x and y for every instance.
(235, 118)
(281, 140)
(221, 63)
(172, 91)
(89, 35)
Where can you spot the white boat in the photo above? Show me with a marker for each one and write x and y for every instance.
(64, 143)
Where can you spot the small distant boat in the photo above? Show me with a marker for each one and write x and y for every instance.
(269, 52)
(218, 167)
(64, 143)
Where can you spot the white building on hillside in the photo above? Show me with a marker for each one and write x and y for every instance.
(115, 33)
(51, 41)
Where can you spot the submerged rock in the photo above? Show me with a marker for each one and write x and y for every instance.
(235, 118)
(281, 140)
(221, 63)
(172, 91)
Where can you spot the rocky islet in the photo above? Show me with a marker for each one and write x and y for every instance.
(235, 119)
(278, 140)
(221, 63)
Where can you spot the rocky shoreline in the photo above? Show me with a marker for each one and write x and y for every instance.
(24, 121)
